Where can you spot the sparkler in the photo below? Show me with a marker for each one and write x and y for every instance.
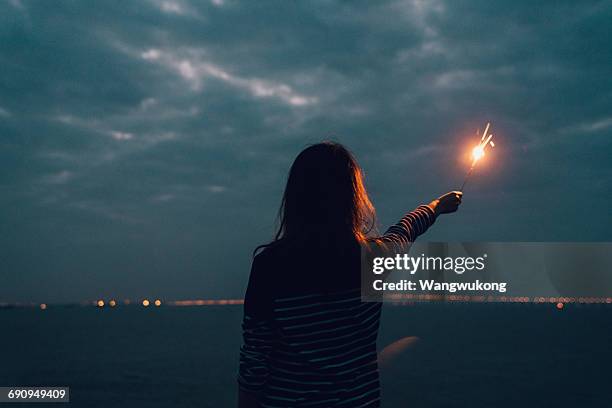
(479, 151)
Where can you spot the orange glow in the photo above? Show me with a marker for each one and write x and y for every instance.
(560, 305)
(157, 302)
(100, 303)
(112, 303)
(145, 302)
(477, 153)
(43, 306)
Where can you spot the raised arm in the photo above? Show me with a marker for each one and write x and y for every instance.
(416, 222)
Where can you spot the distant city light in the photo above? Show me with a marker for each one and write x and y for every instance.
(206, 302)
(404, 299)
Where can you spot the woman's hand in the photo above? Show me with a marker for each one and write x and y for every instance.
(448, 203)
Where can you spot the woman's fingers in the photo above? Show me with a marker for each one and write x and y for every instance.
(458, 196)
(449, 202)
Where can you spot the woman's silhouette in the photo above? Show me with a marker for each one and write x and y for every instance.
(309, 341)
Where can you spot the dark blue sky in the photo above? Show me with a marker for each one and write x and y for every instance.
(144, 145)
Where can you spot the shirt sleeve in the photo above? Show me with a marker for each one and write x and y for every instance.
(257, 332)
(413, 224)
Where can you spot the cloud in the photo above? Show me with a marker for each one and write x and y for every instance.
(216, 189)
(117, 135)
(175, 7)
(59, 178)
(17, 4)
(195, 70)
(598, 125)
(100, 210)
(171, 7)
(163, 198)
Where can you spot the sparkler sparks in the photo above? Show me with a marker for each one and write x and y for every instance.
(478, 152)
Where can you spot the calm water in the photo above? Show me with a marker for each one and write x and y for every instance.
(477, 355)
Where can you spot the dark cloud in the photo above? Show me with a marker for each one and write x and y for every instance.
(144, 146)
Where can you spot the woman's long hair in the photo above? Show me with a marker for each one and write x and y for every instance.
(324, 197)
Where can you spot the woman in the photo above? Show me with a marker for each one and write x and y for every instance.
(309, 341)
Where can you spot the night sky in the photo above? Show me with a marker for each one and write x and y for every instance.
(144, 146)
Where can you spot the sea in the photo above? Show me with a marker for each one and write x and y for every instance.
(463, 355)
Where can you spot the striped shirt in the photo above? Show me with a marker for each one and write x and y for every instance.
(309, 340)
